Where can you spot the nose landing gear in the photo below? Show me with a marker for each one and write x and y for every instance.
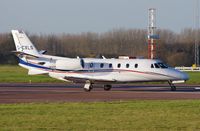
(173, 87)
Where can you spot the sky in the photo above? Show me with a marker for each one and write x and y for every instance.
(77, 16)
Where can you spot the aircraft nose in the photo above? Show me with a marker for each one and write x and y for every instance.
(184, 76)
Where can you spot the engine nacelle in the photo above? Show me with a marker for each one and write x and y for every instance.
(69, 64)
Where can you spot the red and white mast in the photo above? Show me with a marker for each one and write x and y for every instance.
(152, 36)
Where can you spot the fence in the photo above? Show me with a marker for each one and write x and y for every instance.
(188, 68)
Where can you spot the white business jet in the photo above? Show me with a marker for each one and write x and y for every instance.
(92, 70)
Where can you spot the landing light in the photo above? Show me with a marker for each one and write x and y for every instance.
(177, 82)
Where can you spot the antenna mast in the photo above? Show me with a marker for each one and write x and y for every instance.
(196, 34)
(152, 37)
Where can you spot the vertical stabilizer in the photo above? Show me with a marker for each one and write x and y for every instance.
(23, 44)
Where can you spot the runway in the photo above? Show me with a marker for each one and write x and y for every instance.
(28, 93)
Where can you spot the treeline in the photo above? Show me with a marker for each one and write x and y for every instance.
(176, 49)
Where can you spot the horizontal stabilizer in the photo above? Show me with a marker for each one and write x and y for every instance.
(42, 51)
(18, 53)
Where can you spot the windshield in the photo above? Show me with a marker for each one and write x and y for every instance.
(162, 65)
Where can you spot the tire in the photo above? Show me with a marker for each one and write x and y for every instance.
(173, 88)
(107, 87)
(88, 90)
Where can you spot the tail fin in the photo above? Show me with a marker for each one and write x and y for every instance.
(23, 44)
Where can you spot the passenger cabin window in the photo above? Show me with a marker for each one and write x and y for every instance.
(91, 65)
(127, 65)
(110, 65)
(152, 66)
(156, 65)
(136, 65)
(101, 65)
(119, 65)
(82, 63)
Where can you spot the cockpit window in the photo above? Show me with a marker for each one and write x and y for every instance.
(159, 65)
(162, 65)
(156, 65)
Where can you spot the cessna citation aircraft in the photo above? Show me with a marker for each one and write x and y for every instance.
(92, 70)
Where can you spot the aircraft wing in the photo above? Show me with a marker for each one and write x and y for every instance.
(36, 72)
(83, 80)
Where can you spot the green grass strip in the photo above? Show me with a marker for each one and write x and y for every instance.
(17, 74)
(110, 116)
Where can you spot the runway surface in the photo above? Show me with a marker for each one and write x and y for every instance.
(26, 93)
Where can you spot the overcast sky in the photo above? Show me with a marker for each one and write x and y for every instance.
(76, 16)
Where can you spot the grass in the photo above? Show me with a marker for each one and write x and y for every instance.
(17, 74)
(194, 78)
(113, 116)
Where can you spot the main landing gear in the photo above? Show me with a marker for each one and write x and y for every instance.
(173, 87)
(88, 86)
(107, 87)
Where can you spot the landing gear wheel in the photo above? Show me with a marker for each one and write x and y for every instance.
(88, 87)
(107, 87)
(173, 87)
(87, 90)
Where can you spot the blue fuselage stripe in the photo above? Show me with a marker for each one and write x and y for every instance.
(32, 65)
